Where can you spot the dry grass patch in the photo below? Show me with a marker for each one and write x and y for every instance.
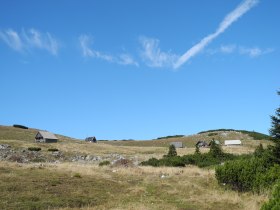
(54, 185)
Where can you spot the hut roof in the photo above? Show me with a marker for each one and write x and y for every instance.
(232, 142)
(47, 135)
(177, 144)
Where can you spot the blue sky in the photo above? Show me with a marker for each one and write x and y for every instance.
(139, 69)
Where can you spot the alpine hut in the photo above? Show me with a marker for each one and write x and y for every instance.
(45, 137)
(177, 144)
(91, 139)
(232, 142)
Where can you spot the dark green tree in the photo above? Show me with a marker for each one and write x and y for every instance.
(259, 150)
(275, 121)
(275, 134)
(197, 150)
(215, 149)
(172, 151)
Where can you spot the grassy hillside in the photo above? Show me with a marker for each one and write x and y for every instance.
(85, 185)
(190, 141)
(77, 186)
(255, 135)
(25, 135)
(24, 138)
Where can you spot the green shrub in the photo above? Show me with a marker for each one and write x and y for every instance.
(264, 181)
(212, 134)
(274, 202)
(104, 163)
(246, 174)
(77, 175)
(151, 162)
(215, 150)
(34, 149)
(172, 151)
(20, 126)
(214, 157)
(207, 159)
(53, 150)
(259, 151)
(197, 150)
(38, 160)
(168, 137)
(175, 161)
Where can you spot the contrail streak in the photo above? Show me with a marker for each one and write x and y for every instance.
(233, 16)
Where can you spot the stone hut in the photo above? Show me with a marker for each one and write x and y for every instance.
(177, 144)
(91, 139)
(45, 137)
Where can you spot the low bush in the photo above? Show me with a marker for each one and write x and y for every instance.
(77, 175)
(265, 181)
(256, 173)
(215, 150)
(20, 126)
(53, 150)
(259, 151)
(169, 137)
(212, 134)
(38, 160)
(151, 162)
(34, 149)
(172, 151)
(239, 174)
(175, 161)
(207, 159)
(274, 202)
(214, 157)
(104, 163)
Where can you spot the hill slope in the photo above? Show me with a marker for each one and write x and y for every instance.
(191, 140)
(255, 135)
(17, 137)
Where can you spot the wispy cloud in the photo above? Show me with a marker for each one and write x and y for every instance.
(86, 42)
(152, 54)
(44, 41)
(233, 16)
(126, 59)
(30, 39)
(227, 48)
(254, 51)
(12, 39)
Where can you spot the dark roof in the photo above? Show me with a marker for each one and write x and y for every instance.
(90, 138)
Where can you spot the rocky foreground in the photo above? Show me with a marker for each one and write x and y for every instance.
(7, 153)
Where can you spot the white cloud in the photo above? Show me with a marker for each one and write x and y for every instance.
(85, 43)
(32, 39)
(255, 51)
(233, 16)
(241, 50)
(152, 54)
(36, 39)
(227, 48)
(12, 39)
(126, 59)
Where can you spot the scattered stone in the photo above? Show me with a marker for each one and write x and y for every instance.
(5, 146)
(164, 176)
(123, 163)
